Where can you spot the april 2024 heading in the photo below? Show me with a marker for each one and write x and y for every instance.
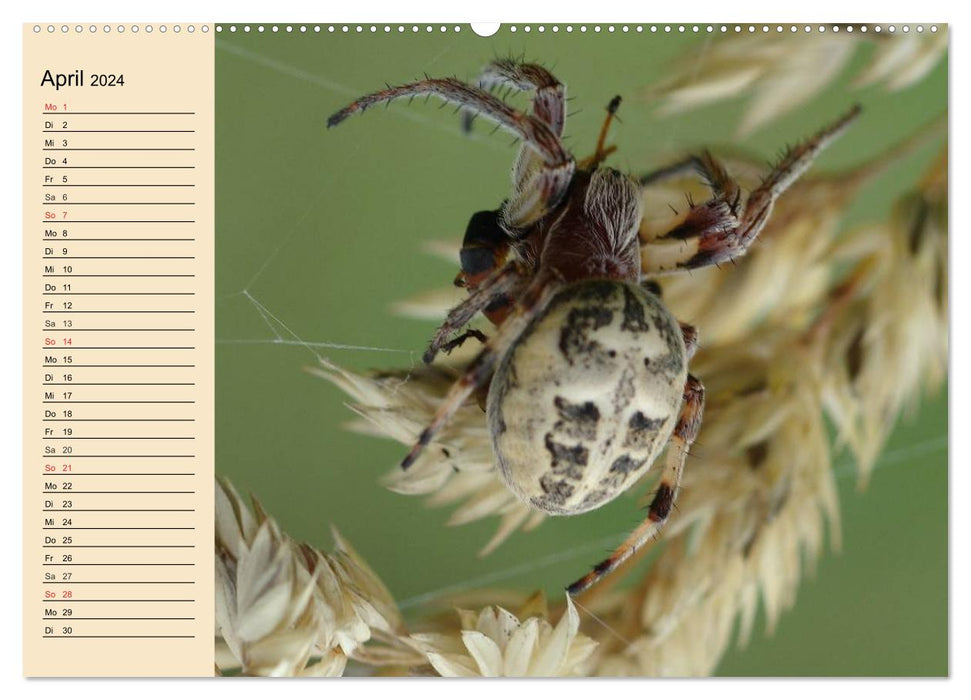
(76, 79)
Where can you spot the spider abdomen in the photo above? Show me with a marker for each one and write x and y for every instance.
(587, 396)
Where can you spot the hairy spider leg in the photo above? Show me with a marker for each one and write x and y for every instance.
(533, 131)
(685, 432)
(677, 169)
(723, 228)
(537, 190)
(480, 370)
(549, 98)
(690, 335)
(500, 286)
(548, 104)
(539, 183)
(459, 341)
(528, 176)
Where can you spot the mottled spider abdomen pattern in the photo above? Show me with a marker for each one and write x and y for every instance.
(586, 398)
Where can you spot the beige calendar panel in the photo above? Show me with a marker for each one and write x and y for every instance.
(118, 350)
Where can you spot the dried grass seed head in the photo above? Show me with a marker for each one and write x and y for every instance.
(496, 643)
(782, 72)
(280, 603)
(887, 342)
(458, 468)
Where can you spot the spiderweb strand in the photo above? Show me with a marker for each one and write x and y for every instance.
(284, 335)
(600, 621)
(311, 344)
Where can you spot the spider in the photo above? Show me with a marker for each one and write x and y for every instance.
(587, 371)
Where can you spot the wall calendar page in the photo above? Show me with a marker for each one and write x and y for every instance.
(527, 349)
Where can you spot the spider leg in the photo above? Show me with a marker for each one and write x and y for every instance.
(723, 228)
(536, 191)
(536, 188)
(498, 287)
(682, 167)
(685, 432)
(652, 286)
(690, 335)
(459, 341)
(533, 300)
(535, 133)
(550, 94)
(544, 167)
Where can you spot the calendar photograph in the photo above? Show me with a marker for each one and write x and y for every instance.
(515, 350)
(582, 350)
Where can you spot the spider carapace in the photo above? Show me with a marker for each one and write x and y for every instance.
(587, 371)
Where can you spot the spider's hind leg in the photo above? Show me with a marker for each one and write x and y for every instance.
(685, 432)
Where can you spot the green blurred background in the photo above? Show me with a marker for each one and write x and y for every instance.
(319, 233)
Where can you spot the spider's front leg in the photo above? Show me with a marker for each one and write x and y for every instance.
(493, 295)
(545, 168)
(535, 133)
(480, 370)
(491, 281)
(724, 227)
(549, 94)
(537, 186)
(685, 432)
(459, 341)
